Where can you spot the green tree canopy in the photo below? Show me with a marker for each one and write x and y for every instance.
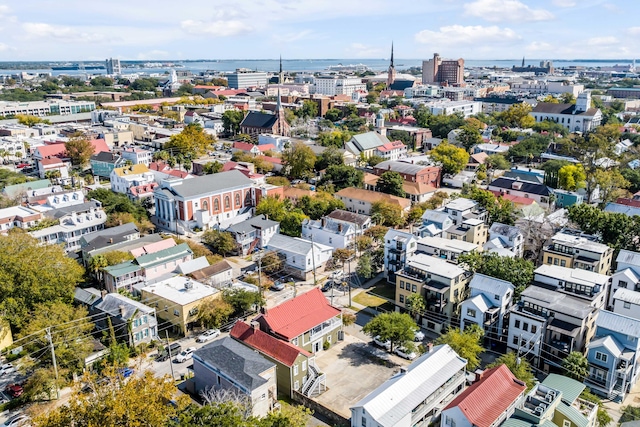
(309, 109)
(319, 205)
(364, 267)
(212, 167)
(519, 367)
(334, 137)
(616, 229)
(213, 313)
(79, 150)
(497, 161)
(499, 209)
(193, 141)
(518, 271)
(333, 114)
(330, 156)
(31, 274)
(517, 116)
(572, 177)
(398, 328)
(453, 159)
(299, 160)
(343, 176)
(387, 214)
(391, 182)
(242, 300)
(469, 136)
(220, 242)
(466, 343)
(576, 365)
(146, 84)
(231, 120)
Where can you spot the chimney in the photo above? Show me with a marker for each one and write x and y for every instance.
(103, 293)
(255, 325)
(429, 347)
(122, 310)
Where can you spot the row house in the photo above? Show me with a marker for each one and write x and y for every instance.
(613, 355)
(73, 222)
(442, 285)
(132, 322)
(573, 249)
(546, 326)
(505, 240)
(218, 200)
(124, 179)
(417, 394)
(330, 233)
(399, 246)
(626, 302)
(18, 217)
(520, 188)
(253, 233)
(446, 249)
(302, 258)
(411, 172)
(627, 275)
(360, 201)
(593, 287)
(489, 301)
(137, 156)
(393, 150)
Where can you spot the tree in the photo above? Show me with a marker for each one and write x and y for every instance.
(31, 274)
(309, 109)
(334, 137)
(330, 156)
(386, 213)
(364, 266)
(441, 125)
(499, 209)
(138, 401)
(146, 84)
(224, 409)
(550, 99)
(611, 184)
(319, 205)
(212, 167)
(519, 367)
(333, 114)
(271, 262)
(377, 232)
(221, 242)
(391, 182)
(616, 229)
(468, 137)
(115, 257)
(193, 141)
(568, 98)
(630, 413)
(374, 160)
(415, 305)
(497, 161)
(70, 343)
(96, 264)
(299, 160)
(453, 159)
(343, 176)
(517, 116)
(291, 224)
(242, 300)
(576, 365)
(518, 271)
(274, 208)
(572, 177)
(602, 416)
(29, 120)
(213, 313)
(466, 343)
(398, 328)
(185, 89)
(79, 150)
(101, 81)
(231, 120)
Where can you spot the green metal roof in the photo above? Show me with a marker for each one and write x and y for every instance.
(516, 422)
(122, 268)
(570, 388)
(548, 423)
(150, 260)
(572, 414)
(16, 189)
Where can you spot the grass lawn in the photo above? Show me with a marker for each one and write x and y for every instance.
(383, 289)
(366, 299)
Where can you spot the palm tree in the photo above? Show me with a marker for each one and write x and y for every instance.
(97, 264)
(576, 365)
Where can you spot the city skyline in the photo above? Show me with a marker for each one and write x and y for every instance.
(472, 29)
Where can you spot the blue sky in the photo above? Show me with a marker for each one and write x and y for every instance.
(299, 29)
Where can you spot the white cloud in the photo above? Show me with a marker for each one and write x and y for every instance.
(359, 50)
(539, 47)
(153, 54)
(4, 9)
(3, 47)
(505, 10)
(459, 35)
(633, 31)
(41, 30)
(564, 3)
(292, 37)
(221, 28)
(602, 41)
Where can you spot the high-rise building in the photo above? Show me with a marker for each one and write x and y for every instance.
(113, 66)
(244, 78)
(444, 71)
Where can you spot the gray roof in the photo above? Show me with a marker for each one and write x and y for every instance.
(113, 303)
(193, 265)
(618, 323)
(527, 187)
(82, 207)
(490, 285)
(119, 230)
(628, 257)
(555, 301)
(504, 230)
(399, 395)
(569, 387)
(397, 234)
(88, 296)
(523, 177)
(17, 189)
(611, 344)
(624, 209)
(352, 217)
(126, 245)
(368, 140)
(236, 360)
(400, 166)
(260, 222)
(437, 217)
(211, 183)
(293, 244)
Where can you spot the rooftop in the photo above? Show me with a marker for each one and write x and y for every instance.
(572, 275)
(277, 349)
(180, 290)
(457, 246)
(431, 264)
(618, 323)
(211, 184)
(352, 217)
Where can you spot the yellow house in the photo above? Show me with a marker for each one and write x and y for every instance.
(6, 339)
(176, 301)
(576, 250)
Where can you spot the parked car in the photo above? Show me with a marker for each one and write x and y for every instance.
(185, 355)
(164, 355)
(418, 336)
(327, 286)
(384, 344)
(277, 286)
(17, 420)
(126, 372)
(405, 353)
(208, 335)
(14, 390)
(7, 369)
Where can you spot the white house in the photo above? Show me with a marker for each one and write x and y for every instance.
(137, 155)
(412, 396)
(505, 240)
(301, 257)
(446, 249)
(327, 232)
(489, 301)
(398, 247)
(627, 275)
(627, 303)
(583, 284)
(125, 178)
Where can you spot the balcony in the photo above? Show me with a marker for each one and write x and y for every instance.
(597, 381)
(321, 330)
(561, 345)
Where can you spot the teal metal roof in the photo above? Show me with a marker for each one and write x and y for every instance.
(122, 268)
(572, 414)
(570, 388)
(160, 257)
(516, 422)
(17, 189)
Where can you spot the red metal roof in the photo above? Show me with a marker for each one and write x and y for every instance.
(484, 402)
(267, 344)
(296, 316)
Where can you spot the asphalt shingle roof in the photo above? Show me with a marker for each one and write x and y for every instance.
(257, 119)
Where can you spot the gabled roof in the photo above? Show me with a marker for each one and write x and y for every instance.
(138, 169)
(368, 140)
(352, 217)
(504, 230)
(149, 260)
(277, 349)
(193, 265)
(257, 222)
(106, 157)
(611, 344)
(258, 119)
(153, 247)
(628, 257)
(400, 394)
(401, 166)
(296, 316)
(295, 245)
(487, 399)
(527, 187)
(211, 183)
(235, 360)
(88, 296)
(552, 108)
(437, 217)
(618, 323)
(212, 270)
(569, 387)
(372, 196)
(490, 285)
(16, 189)
(121, 306)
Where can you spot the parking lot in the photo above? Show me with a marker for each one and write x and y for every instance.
(354, 368)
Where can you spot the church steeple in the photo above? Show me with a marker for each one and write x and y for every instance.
(391, 75)
(391, 54)
(280, 74)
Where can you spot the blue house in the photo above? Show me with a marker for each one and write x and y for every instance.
(564, 198)
(613, 355)
(434, 223)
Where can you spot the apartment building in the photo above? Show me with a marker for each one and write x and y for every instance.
(446, 249)
(573, 249)
(627, 275)
(489, 301)
(398, 247)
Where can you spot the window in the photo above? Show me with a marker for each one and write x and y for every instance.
(205, 206)
(496, 297)
(176, 313)
(566, 423)
(296, 385)
(402, 299)
(294, 341)
(237, 199)
(517, 324)
(515, 340)
(627, 305)
(364, 421)
(227, 202)
(329, 339)
(216, 205)
(414, 288)
(304, 365)
(601, 357)
(295, 369)
(534, 328)
(525, 327)
(563, 263)
(401, 284)
(622, 284)
(471, 312)
(549, 260)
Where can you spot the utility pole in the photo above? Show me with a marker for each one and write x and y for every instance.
(55, 364)
(349, 281)
(258, 258)
(169, 351)
(313, 260)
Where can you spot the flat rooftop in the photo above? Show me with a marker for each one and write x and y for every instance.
(175, 289)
